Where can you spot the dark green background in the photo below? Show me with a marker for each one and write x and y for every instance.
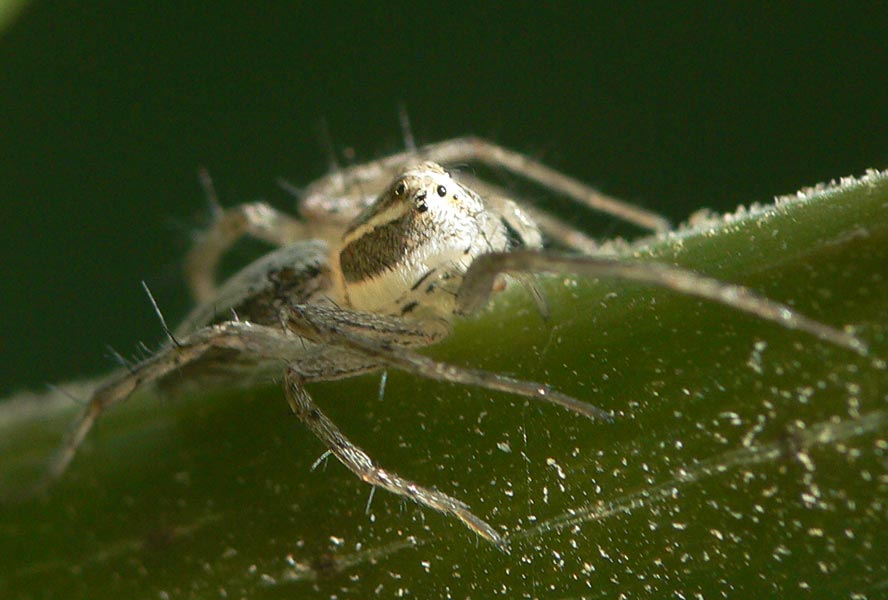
(109, 108)
(108, 112)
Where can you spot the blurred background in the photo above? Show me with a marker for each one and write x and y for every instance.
(108, 109)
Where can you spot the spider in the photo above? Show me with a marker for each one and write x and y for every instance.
(386, 255)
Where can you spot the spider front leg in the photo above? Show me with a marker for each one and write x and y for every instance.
(381, 338)
(359, 463)
(479, 279)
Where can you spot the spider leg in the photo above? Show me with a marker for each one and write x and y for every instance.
(562, 233)
(256, 219)
(244, 337)
(555, 229)
(340, 195)
(315, 323)
(359, 463)
(473, 148)
(479, 280)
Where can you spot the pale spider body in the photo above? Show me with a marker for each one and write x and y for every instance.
(403, 256)
(358, 285)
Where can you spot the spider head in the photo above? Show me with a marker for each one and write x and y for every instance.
(411, 247)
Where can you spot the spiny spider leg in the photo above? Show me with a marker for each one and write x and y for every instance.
(554, 228)
(366, 334)
(255, 340)
(479, 280)
(473, 148)
(332, 198)
(359, 463)
(312, 322)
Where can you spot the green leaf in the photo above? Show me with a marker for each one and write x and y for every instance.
(747, 460)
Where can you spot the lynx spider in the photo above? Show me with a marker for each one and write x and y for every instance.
(384, 257)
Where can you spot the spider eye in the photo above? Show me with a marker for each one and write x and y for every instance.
(400, 188)
(442, 191)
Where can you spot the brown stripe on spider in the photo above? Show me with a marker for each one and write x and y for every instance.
(382, 248)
